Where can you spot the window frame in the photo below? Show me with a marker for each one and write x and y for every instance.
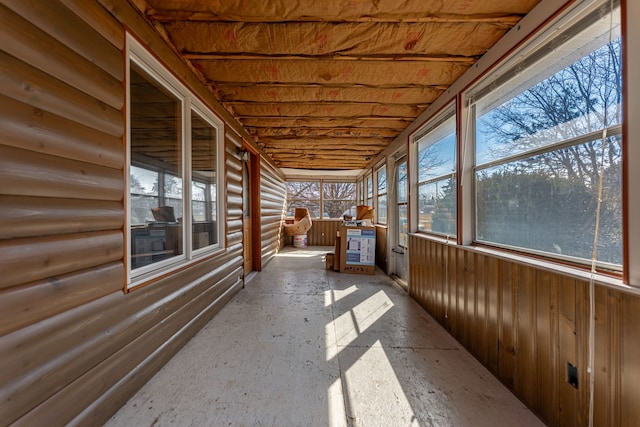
(321, 200)
(144, 59)
(432, 133)
(528, 54)
(382, 193)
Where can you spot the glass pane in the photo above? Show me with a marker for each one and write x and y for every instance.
(204, 172)
(312, 205)
(436, 159)
(144, 194)
(369, 187)
(437, 207)
(403, 226)
(156, 168)
(382, 180)
(547, 202)
(339, 199)
(572, 102)
(402, 182)
(199, 201)
(382, 209)
(303, 194)
(339, 208)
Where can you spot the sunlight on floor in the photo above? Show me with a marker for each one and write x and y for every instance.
(357, 320)
(350, 324)
(380, 394)
(298, 253)
(336, 408)
(333, 296)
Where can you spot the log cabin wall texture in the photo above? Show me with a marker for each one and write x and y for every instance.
(273, 193)
(526, 324)
(74, 347)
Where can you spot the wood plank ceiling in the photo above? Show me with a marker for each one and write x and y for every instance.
(328, 84)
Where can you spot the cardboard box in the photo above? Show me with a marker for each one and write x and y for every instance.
(357, 250)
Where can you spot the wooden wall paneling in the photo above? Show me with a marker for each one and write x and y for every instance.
(31, 45)
(582, 347)
(479, 347)
(23, 126)
(78, 395)
(272, 200)
(453, 314)
(57, 355)
(492, 294)
(56, 177)
(525, 381)
(23, 83)
(382, 236)
(37, 301)
(630, 360)
(567, 353)
(426, 279)
(605, 350)
(439, 277)
(460, 295)
(414, 268)
(506, 321)
(469, 280)
(32, 216)
(36, 258)
(614, 371)
(52, 18)
(417, 264)
(98, 19)
(547, 365)
(116, 396)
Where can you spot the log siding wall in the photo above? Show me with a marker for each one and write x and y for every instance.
(526, 323)
(273, 194)
(74, 347)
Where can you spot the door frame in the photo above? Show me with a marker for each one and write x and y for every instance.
(394, 220)
(254, 210)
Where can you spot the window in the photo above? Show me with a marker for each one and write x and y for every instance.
(381, 179)
(333, 199)
(369, 180)
(303, 194)
(540, 149)
(436, 170)
(361, 192)
(173, 164)
(403, 203)
(338, 199)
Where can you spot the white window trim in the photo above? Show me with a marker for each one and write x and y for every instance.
(433, 125)
(144, 59)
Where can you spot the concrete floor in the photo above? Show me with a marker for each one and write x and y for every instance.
(302, 346)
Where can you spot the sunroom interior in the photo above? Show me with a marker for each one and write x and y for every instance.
(153, 151)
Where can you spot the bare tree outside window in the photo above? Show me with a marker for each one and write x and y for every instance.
(544, 195)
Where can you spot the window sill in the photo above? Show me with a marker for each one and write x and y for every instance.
(611, 282)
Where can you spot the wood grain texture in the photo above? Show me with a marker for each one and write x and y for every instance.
(36, 216)
(72, 31)
(74, 345)
(25, 305)
(37, 89)
(28, 173)
(526, 323)
(23, 126)
(36, 258)
(28, 43)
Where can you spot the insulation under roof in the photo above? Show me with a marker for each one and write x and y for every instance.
(330, 84)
